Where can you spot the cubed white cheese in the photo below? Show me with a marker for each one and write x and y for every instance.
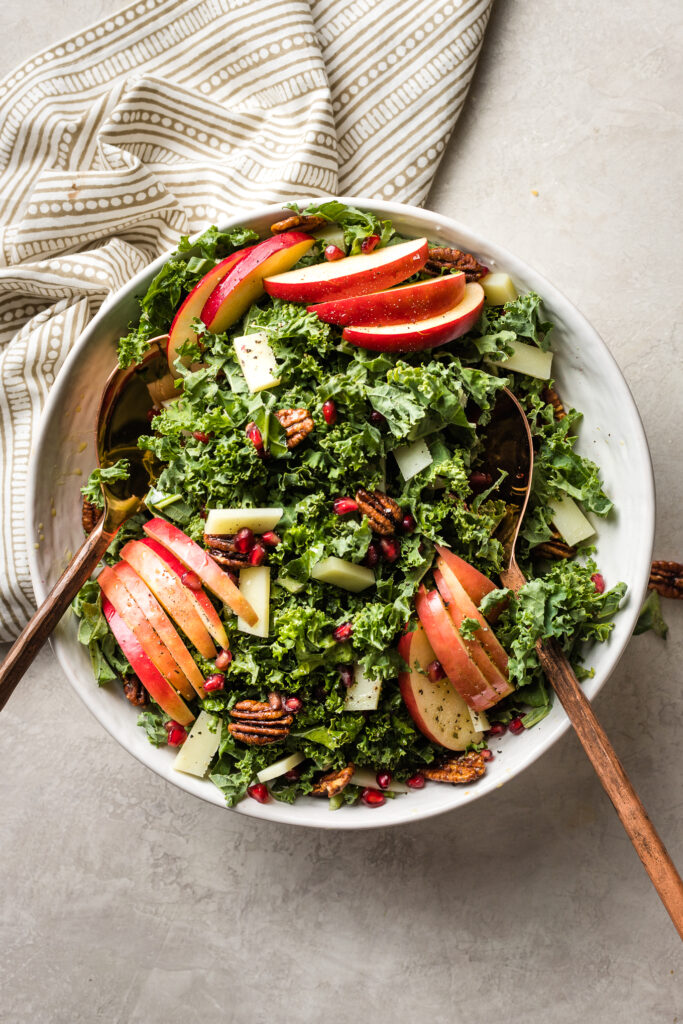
(413, 458)
(527, 359)
(255, 587)
(570, 521)
(341, 573)
(365, 778)
(285, 764)
(363, 694)
(498, 289)
(194, 757)
(230, 520)
(257, 360)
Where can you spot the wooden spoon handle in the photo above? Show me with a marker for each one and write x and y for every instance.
(38, 629)
(600, 751)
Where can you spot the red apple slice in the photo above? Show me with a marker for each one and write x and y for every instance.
(437, 709)
(451, 652)
(475, 647)
(195, 558)
(151, 678)
(243, 285)
(408, 302)
(485, 635)
(191, 309)
(415, 336)
(199, 598)
(159, 620)
(132, 614)
(170, 593)
(475, 583)
(354, 275)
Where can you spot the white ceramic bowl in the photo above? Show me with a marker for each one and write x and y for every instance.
(611, 433)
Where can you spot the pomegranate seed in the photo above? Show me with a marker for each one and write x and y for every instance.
(270, 538)
(377, 419)
(391, 548)
(346, 675)
(257, 555)
(369, 243)
(293, 774)
(371, 555)
(486, 754)
(254, 435)
(223, 660)
(177, 735)
(408, 523)
(372, 797)
(383, 779)
(479, 481)
(333, 252)
(244, 541)
(171, 725)
(435, 671)
(199, 435)
(498, 729)
(191, 580)
(343, 632)
(416, 781)
(342, 506)
(154, 411)
(202, 512)
(259, 791)
(516, 726)
(215, 682)
(294, 704)
(599, 582)
(330, 412)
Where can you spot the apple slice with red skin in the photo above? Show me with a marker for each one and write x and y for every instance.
(485, 635)
(199, 598)
(353, 275)
(475, 647)
(414, 336)
(195, 558)
(151, 678)
(170, 593)
(191, 309)
(450, 650)
(437, 709)
(243, 285)
(407, 302)
(474, 582)
(161, 623)
(135, 618)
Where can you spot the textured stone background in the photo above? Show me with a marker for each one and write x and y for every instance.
(126, 900)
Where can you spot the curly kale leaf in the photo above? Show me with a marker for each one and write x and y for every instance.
(357, 224)
(92, 491)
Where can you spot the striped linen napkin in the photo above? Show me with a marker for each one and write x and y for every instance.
(172, 114)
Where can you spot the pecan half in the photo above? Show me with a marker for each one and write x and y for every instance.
(301, 221)
(256, 723)
(467, 768)
(135, 691)
(444, 258)
(222, 550)
(90, 515)
(554, 549)
(333, 782)
(383, 513)
(551, 396)
(667, 579)
(297, 423)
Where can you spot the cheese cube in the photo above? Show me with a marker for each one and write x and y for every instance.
(257, 361)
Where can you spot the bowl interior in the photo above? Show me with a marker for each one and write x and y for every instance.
(611, 433)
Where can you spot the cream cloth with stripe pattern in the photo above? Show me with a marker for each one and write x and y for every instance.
(172, 114)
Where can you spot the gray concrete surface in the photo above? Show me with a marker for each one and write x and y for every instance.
(123, 899)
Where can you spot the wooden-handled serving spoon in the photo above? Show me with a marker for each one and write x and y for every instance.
(508, 446)
(121, 418)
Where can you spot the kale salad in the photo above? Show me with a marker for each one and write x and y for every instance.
(309, 602)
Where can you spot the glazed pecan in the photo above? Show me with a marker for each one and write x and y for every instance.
(333, 782)
(554, 549)
(551, 396)
(300, 221)
(383, 513)
(453, 259)
(297, 423)
(667, 579)
(466, 768)
(222, 550)
(90, 515)
(135, 691)
(257, 724)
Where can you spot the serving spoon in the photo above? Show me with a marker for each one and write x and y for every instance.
(122, 417)
(508, 446)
